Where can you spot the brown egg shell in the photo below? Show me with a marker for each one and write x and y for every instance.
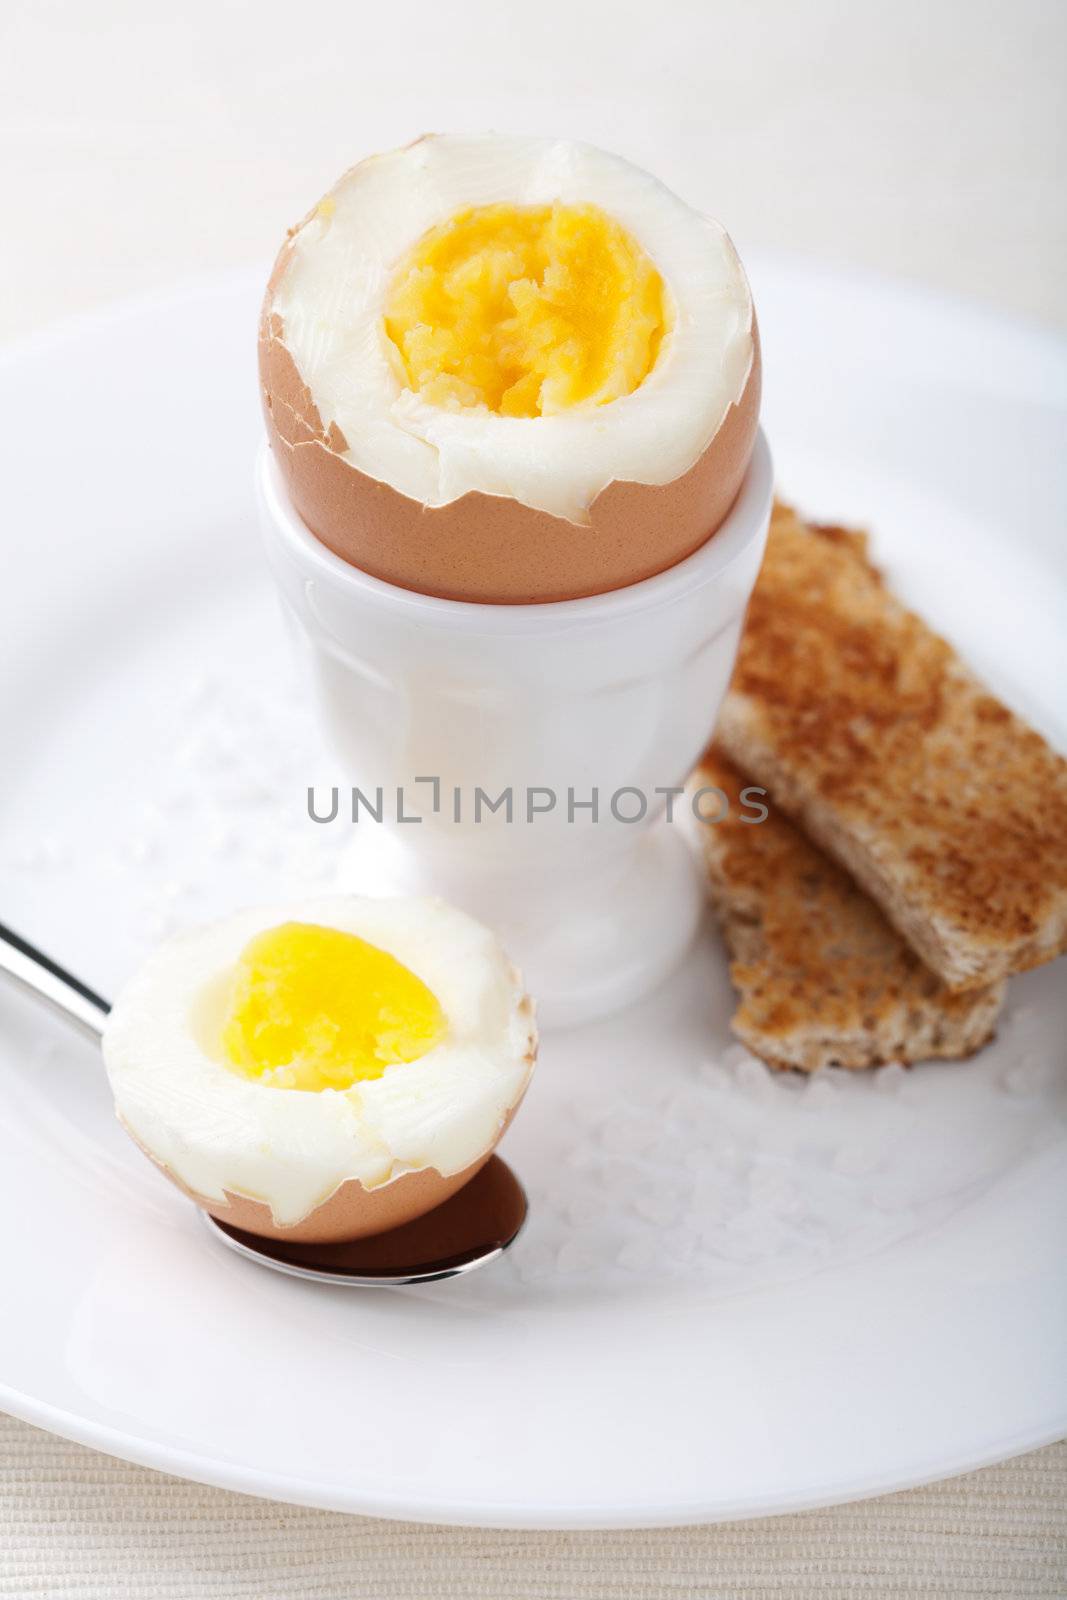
(490, 548)
(350, 1211)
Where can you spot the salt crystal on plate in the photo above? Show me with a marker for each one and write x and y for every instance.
(533, 1262)
(626, 1135)
(753, 1078)
(1026, 1076)
(856, 1159)
(818, 1092)
(576, 1254)
(658, 1204)
(637, 1254)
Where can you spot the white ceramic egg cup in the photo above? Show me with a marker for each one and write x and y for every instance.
(441, 709)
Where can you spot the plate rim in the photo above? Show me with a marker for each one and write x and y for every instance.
(323, 1495)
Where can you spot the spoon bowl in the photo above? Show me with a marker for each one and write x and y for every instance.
(470, 1229)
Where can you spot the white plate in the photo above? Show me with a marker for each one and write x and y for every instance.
(737, 1294)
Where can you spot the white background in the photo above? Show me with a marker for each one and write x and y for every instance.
(144, 143)
(920, 137)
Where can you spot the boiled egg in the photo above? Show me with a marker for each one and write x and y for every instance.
(509, 370)
(323, 1071)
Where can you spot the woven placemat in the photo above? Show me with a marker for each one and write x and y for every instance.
(76, 1525)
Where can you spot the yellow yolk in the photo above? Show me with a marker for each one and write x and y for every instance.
(527, 310)
(315, 1008)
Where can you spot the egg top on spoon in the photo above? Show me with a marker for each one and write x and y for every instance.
(323, 1071)
(509, 370)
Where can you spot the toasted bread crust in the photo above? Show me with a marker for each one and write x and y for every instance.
(824, 980)
(868, 729)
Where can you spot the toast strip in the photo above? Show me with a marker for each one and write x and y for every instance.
(823, 978)
(868, 729)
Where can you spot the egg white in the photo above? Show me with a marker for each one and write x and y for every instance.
(331, 299)
(216, 1130)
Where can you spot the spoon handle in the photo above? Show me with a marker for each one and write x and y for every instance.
(44, 978)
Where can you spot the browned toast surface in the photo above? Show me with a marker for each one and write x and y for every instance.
(868, 729)
(823, 978)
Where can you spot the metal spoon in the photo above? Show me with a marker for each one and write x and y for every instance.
(471, 1229)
